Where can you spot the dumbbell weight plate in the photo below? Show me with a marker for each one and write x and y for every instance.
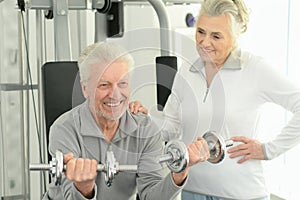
(216, 147)
(180, 156)
(59, 167)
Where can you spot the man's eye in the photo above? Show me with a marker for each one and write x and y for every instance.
(123, 84)
(103, 85)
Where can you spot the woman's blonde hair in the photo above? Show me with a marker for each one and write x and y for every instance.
(236, 9)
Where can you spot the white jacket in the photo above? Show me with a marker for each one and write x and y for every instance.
(231, 107)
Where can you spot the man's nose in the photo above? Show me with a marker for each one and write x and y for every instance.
(115, 92)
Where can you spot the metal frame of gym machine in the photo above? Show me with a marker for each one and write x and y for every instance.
(60, 9)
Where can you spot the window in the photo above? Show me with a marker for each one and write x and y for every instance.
(273, 33)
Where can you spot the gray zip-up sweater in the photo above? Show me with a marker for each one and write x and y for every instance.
(137, 142)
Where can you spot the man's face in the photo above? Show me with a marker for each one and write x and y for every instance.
(108, 91)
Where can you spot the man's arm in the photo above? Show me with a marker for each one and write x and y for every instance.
(198, 152)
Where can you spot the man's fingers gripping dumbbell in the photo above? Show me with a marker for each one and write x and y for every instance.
(79, 169)
(198, 151)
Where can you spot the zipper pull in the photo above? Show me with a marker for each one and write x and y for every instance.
(206, 93)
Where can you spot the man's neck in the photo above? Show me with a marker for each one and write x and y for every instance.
(108, 127)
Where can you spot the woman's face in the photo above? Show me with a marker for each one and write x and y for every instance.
(214, 38)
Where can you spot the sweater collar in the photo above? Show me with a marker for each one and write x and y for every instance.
(233, 62)
(89, 127)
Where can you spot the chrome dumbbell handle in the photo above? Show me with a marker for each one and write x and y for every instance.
(100, 167)
(56, 168)
(166, 158)
(39, 167)
(176, 154)
(127, 168)
(229, 143)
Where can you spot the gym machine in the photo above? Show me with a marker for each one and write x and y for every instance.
(175, 156)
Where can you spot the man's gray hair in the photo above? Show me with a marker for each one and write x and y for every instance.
(236, 9)
(103, 53)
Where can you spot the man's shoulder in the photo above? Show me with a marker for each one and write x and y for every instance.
(67, 117)
(142, 122)
(141, 118)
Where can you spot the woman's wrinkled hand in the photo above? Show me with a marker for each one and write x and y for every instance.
(250, 149)
(136, 106)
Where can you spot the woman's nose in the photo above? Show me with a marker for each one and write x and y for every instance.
(205, 41)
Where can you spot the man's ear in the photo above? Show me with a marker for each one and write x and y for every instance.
(84, 90)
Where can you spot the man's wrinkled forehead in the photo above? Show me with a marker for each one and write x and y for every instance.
(97, 70)
(100, 71)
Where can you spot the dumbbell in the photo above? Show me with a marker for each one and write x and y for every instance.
(56, 167)
(176, 154)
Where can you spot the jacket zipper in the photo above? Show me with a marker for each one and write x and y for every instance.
(206, 94)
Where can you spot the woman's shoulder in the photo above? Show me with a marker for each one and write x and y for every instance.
(251, 60)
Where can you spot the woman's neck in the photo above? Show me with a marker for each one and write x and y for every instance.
(210, 71)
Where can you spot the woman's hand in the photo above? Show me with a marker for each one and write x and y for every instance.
(136, 107)
(251, 149)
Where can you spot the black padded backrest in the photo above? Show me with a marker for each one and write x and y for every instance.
(61, 90)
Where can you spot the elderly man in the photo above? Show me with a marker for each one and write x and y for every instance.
(103, 122)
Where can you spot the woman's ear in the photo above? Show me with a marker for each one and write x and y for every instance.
(84, 90)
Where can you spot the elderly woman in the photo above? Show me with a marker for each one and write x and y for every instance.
(223, 91)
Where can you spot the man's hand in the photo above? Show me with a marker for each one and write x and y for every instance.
(251, 149)
(198, 152)
(136, 107)
(82, 172)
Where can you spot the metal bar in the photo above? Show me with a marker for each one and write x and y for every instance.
(74, 4)
(127, 168)
(164, 22)
(39, 167)
(39, 61)
(27, 113)
(100, 167)
(100, 32)
(61, 30)
(82, 4)
(165, 158)
(17, 87)
(15, 197)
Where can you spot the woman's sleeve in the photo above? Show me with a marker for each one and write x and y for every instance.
(278, 89)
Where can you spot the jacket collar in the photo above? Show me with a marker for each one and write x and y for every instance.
(89, 127)
(233, 62)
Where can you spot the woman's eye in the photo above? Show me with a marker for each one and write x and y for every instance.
(201, 31)
(217, 37)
